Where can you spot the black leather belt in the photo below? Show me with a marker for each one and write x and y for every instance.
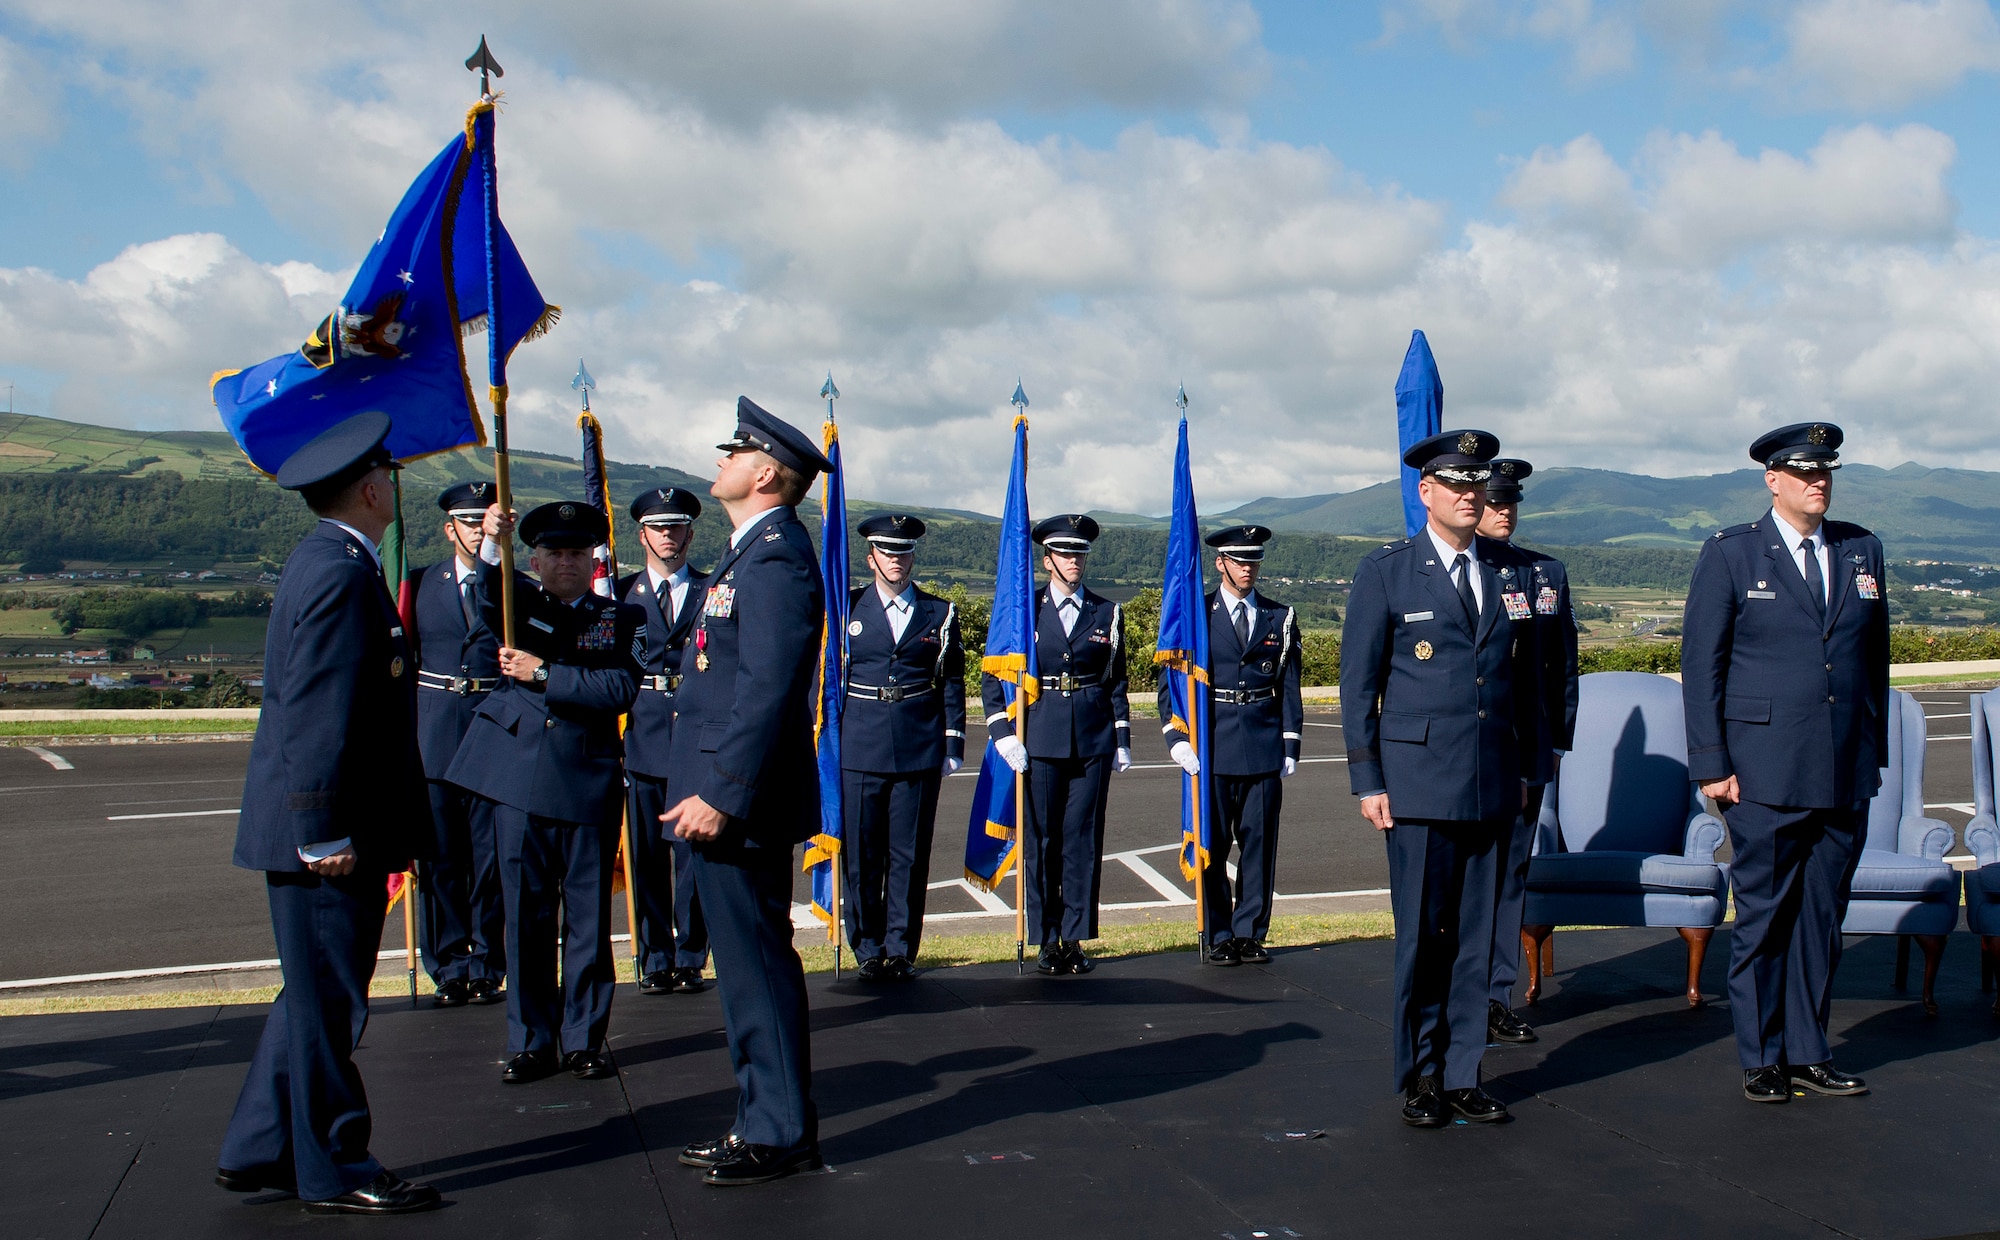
(1068, 683)
(463, 686)
(892, 693)
(665, 684)
(1243, 697)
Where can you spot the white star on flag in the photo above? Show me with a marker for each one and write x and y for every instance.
(406, 277)
(271, 388)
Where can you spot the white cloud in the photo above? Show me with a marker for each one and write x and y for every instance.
(1869, 54)
(1602, 38)
(26, 118)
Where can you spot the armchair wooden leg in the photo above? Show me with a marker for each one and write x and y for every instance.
(1933, 945)
(1902, 981)
(1540, 953)
(1696, 938)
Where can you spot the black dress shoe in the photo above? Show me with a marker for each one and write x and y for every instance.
(1824, 1078)
(454, 993)
(1766, 1085)
(1052, 960)
(530, 1066)
(1476, 1105)
(760, 1164)
(1223, 954)
(1075, 961)
(387, 1193)
(870, 970)
(1424, 1107)
(706, 1154)
(688, 982)
(255, 1180)
(899, 969)
(1250, 951)
(590, 1065)
(484, 990)
(1503, 1026)
(658, 982)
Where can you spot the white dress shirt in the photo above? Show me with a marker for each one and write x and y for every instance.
(1067, 614)
(1792, 537)
(900, 608)
(1446, 554)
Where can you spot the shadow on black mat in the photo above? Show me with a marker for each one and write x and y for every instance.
(1096, 991)
(50, 1067)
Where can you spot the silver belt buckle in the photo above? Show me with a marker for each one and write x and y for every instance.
(461, 686)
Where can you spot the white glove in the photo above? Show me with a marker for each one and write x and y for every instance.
(1012, 752)
(1291, 768)
(951, 765)
(1183, 753)
(1121, 759)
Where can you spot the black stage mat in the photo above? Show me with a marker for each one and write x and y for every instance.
(1156, 1097)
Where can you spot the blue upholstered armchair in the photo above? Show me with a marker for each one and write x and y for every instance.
(1623, 839)
(1902, 885)
(1982, 837)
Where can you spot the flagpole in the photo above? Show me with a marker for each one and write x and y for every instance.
(1021, 842)
(1200, 853)
(838, 862)
(496, 358)
(410, 928)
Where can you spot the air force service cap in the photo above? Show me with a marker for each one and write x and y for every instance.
(894, 532)
(1071, 533)
(759, 430)
(666, 506)
(338, 455)
(1243, 543)
(565, 525)
(467, 499)
(1455, 456)
(1802, 445)
(1503, 486)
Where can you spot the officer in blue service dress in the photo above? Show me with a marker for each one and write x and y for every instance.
(333, 803)
(464, 923)
(1785, 674)
(673, 939)
(1556, 637)
(1256, 721)
(744, 782)
(902, 732)
(1079, 732)
(544, 750)
(1440, 687)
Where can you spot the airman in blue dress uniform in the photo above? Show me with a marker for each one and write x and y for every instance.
(464, 922)
(544, 750)
(1256, 719)
(902, 732)
(1079, 733)
(333, 803)
(673, 939)
(1785, 675)
(1556, 638)
(744, 778)
(1440, 689)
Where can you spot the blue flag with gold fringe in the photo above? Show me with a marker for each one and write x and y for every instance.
(1419, 415)
(1182, 655)
(992, 838)
(396, 341)
(823, 850)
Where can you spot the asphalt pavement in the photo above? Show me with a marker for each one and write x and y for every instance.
(116, 857)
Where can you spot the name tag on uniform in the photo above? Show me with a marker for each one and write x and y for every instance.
(1517, 604)
(1411, 617)
(535, 622)
(1545, 601)
(1864, 584)
(1760, 594)
(721, 602)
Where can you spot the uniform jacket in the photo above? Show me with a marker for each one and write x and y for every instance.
(743, 726)
(1555, 635)
(447, 647)
(1250, 738)
(928, 662)
(335, 755)
(553, 749)
(1088, 721)
(1796, 708)
(1443, 716)
(651, 726)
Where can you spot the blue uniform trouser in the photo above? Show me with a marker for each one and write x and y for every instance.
(747, 894)
(556, 876)
(1516, 853)
(1792, 871)
(672, 933)
(464, 923)
(886, 857)
(1065, 853)
(1246, 813)
(1443, 879)
(303, 1109)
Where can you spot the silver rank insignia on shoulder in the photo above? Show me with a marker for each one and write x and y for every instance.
(772, 535)
(352, 551)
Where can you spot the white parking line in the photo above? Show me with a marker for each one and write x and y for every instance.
(1964, 714)
(1966, 737)
(55, 760)
(1963, 807)
(186, 813)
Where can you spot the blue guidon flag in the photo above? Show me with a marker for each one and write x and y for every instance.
(1419, 415)
(822, 852)
(395, 342)
(1182, 654)
(992, 837)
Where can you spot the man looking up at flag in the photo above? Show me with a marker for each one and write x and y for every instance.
(544, 750)
(743, 779)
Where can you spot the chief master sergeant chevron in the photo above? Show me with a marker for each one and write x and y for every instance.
(1785, 675)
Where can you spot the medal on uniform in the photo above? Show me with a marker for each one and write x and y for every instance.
(1517, 604)
(396, 666)
(1424, 650)
(701, 649)
(1864, 584)
(1545, 601)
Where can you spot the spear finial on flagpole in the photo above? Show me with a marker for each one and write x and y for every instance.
(1181, 400)
(829, 394)
(1019, 400)
(483, 63)
(583, 383)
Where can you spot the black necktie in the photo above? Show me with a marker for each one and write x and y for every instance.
(1461, 568)
(1815, 580)
(465, 605)
(1243, 625)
